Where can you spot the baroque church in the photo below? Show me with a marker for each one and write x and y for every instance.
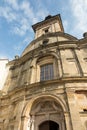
(46, 87)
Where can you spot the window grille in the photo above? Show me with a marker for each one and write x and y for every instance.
(46, 72)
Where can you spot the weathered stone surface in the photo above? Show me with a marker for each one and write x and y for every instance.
(26, 102)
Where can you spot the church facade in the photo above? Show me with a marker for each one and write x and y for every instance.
(46, 87)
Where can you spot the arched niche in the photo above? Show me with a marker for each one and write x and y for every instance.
(43, 108)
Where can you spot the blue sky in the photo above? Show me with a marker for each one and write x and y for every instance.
(17, 17)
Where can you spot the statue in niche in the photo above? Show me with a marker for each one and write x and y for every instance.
(30, 123)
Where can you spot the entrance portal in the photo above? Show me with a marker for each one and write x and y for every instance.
(49, 125)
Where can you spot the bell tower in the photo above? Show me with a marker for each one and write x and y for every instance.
(51, 24)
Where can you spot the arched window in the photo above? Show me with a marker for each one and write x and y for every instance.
(47, 68)
(46, 72)
(46, 30)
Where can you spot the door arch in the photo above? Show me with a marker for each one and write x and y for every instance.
(43, 108)
(47, 111)
(49, 125)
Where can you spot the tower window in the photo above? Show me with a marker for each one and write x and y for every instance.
(46, 31)
(46, 72)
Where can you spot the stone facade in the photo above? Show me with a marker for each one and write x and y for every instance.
(3, 72)
(28, 102)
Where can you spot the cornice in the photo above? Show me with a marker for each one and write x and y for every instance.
(58, 81)
(32, 54)
(44, 22)
(44, 84)
(82, 43)
(72, 44)
(56, 34)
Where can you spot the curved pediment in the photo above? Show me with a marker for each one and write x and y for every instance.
(50, 38)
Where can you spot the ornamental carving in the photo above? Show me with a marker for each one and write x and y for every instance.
(46, 106)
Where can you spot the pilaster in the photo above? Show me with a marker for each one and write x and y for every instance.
(68, 121)
(73, 108)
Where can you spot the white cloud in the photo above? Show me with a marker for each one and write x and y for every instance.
(42, 14)
(13, 3)
(20, 24)
(21, 15)
(18, 30)
(22, 27)
(22, 44)
(28, 11)
(65, 23)
(79, 10)
(7, 13)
